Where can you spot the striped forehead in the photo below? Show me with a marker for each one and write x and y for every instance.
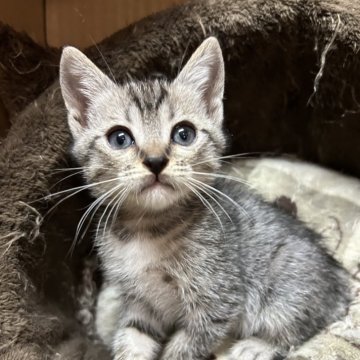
(149, 113)
(147, 98)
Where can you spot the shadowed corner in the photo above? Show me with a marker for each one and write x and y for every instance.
(26, 69)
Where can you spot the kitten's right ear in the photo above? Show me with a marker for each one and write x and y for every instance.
(80, 81)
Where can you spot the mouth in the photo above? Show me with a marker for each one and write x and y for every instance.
(157, 184)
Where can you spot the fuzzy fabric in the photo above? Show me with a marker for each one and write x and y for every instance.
(292, 85)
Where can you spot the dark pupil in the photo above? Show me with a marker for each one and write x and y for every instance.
(121, 138)
(183, 133)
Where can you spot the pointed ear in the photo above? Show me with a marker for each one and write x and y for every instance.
(204, 72)
(80, 81)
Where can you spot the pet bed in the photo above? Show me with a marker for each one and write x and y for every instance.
(292, 86)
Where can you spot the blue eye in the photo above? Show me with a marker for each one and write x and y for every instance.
(120, 139)
(183, 134)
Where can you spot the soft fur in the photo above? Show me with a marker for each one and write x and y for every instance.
(272, 53)
(190, 255)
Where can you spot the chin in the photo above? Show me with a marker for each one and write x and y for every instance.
(158, 198)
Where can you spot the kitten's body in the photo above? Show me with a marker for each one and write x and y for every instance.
(190, 258)
(247, 281)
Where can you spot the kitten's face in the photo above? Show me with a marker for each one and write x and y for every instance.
(146, 143)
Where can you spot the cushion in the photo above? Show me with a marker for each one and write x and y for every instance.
(292, 86)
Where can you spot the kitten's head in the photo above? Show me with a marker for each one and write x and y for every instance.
(146, 144)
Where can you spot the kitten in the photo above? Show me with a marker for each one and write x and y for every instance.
(190, 256)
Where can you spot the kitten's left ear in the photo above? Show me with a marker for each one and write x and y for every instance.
(80, 81)
(205, 73)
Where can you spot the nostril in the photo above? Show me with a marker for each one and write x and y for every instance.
(156, 163)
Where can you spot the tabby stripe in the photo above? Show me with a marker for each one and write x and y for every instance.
(93, 142)
(163, 94)
(136, 100)
(217, 146)
(278, 356)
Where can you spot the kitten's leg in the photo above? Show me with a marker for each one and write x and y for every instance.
(108, 310)
(253, 349)
(139, 335)
(127, 329)
(197, 340)
(133, 344)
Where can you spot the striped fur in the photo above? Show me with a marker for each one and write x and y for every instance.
(190, 258)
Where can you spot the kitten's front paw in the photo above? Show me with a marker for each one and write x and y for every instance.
(252, 349)
(131, 344)
(180, 347)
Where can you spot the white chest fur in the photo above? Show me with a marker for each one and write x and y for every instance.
(141, 267)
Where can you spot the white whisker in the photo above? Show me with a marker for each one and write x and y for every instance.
(97, 203)
(82, 187)
(106, 208)
(75, 190)
(94, 206)
(67, 169)
(119, 203)
(212, 189)
(205, 203)
(248, 155)
(224, 176)
(201, 188)
(66, 177)
(117, 200)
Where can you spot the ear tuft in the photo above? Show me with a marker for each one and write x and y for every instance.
(80, 81)
(205, 73)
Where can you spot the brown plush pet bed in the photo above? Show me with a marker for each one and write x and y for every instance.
(293, 86)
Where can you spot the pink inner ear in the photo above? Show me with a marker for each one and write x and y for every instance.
(204, 72)
(80, 81)
(71, 81)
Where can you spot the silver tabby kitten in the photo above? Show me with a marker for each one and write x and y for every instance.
(189, 257)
